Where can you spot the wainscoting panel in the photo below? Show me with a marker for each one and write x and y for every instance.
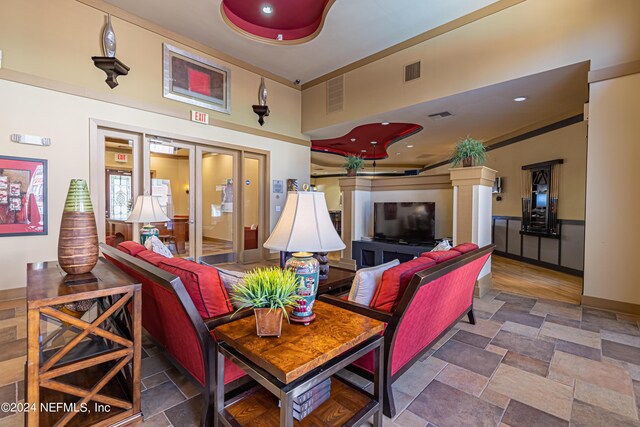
(565, 254)
(549, 250)
(530, 246)
(514, 244)
(500, 234)
(572, 252)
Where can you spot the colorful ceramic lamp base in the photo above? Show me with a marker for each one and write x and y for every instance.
(306, 268)
(146, 232)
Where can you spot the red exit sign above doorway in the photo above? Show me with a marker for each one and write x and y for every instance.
(197, 116)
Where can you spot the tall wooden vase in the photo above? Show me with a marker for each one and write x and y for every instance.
(78, 242)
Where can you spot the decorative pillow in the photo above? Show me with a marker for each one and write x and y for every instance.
(154, 244)
(444, 245)
(203, 285)
(131, 248)
(366, 281)
(395, 281)
(441, 256)
(466, 247)
(230, 279)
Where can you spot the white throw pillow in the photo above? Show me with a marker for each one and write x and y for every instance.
(154, 244)
(230, 279)
(442, 246)
(366, 281)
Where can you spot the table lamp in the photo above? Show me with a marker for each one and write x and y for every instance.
(304, 227)
(146, 211)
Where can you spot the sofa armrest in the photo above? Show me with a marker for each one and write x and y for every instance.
(383, 316)
(214, 322)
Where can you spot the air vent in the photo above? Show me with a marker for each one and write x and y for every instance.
(441, 115)
(412, 71)
(335, 94)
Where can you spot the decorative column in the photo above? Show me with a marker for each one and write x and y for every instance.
(472, 213)
(356, 215)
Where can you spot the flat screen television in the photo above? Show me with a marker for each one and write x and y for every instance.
(410, 222)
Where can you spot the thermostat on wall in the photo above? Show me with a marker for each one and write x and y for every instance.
(30, 139)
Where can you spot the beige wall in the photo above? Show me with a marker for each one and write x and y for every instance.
(176, 170)
(612, 232)
(63, 35)
(67, 120)
(568, 143)
(215, 172)
(331, 189)
(528, 38)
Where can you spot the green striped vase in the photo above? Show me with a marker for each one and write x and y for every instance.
(78, 241)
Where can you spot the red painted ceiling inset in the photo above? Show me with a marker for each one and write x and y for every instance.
(384, 135)
(295, 20)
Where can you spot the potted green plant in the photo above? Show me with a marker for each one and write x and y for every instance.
(269, 291)
(353, 164)
(469, 152)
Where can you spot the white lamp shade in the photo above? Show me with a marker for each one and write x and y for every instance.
(146, 210)
(305, 226)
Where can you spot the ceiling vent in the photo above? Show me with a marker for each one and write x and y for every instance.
(441, 115)
(335, 94)
(412, 71)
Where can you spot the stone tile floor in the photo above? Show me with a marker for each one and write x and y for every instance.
(527, 362)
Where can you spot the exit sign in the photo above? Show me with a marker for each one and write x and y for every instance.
(197, 116)
(122, 157)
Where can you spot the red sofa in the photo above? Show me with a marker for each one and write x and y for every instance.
(182, 302)
(420, 301)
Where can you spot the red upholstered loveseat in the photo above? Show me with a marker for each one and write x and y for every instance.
(420, 301)
(182, 302)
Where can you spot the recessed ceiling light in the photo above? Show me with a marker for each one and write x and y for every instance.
(353, 140)
(267, 9)
(520, 98)
(409, 146)
(384, 123)
(326, 149)
(364, 151)
(395, 171)
(374, 142)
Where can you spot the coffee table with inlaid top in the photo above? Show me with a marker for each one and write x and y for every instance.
(301, 358)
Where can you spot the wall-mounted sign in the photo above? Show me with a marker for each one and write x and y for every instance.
(122, 157)
(278, 186)
(197, 116)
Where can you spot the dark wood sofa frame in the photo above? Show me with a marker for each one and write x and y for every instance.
(201, 327)
(394, 319)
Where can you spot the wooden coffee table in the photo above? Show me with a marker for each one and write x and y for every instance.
(339, 279)
(300, 359)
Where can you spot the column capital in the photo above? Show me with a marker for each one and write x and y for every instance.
(475, 175)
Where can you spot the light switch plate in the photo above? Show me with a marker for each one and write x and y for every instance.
(277, 208)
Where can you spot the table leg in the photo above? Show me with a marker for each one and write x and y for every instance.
(33, 366)
(286, 409)
(219, 395)
(377, 383)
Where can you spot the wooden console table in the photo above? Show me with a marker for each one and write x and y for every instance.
(83, 363)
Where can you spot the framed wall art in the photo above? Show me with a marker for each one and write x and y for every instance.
(23, 196)
(195, 80)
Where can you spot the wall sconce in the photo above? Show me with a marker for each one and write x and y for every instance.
(262, 110)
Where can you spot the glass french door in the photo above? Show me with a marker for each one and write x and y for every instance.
(169, 176)
(217, 204)
(254, 224)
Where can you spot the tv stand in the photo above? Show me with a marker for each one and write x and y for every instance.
(372, 253)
